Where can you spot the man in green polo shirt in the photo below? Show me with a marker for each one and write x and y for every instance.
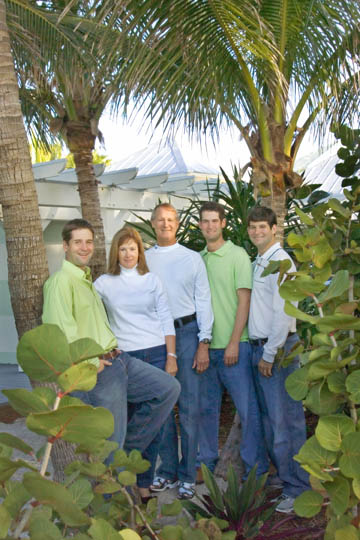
(72, 303)
(230, 277)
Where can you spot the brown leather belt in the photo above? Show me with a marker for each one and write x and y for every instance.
(111, 354)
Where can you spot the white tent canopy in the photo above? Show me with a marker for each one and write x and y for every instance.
(322, 171)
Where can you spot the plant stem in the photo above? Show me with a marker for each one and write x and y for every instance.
(19, 529)
(49, 445)
(321, 313)
(136, 507)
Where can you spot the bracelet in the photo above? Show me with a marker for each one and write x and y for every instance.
(171, 354)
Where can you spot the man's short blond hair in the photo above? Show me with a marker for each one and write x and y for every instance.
(167, 206)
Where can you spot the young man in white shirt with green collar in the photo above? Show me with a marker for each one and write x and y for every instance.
(270, 329)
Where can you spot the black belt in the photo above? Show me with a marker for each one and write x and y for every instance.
(181, 321)
(260, 342)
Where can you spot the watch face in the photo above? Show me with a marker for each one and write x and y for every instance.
(206, 341)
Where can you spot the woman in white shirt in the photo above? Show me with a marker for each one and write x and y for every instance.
(140, 318)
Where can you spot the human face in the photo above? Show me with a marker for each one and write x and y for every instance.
(212, 226)
(128, 254)
(262, 235)
(165, 225)
(80, 248)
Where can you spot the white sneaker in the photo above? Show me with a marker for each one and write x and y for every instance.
(285, 504)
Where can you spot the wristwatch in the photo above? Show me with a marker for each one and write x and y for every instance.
(206, 340)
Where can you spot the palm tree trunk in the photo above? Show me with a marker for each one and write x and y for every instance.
(81, 143)
(27, 264)
(230, 453)
(277, 202)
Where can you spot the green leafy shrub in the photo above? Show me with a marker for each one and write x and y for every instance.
(327, 250)
(94, 501)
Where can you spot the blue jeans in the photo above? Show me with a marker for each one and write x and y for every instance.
(130, 379)
(283, 421)
(171, 467)
(156, 356)
(238, 381)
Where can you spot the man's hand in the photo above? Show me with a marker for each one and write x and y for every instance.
(171, 366)
(265, 368)
(102, 365)
(231, 355)
(201, 359)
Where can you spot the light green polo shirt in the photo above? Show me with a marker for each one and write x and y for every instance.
(229, 268)
(71, 302)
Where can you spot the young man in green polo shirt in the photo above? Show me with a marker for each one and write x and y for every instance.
(230, 277)
(72, 303)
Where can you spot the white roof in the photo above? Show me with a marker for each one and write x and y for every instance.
(157, 158)
(322, 171)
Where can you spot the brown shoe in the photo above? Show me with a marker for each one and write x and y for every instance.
(199, 477)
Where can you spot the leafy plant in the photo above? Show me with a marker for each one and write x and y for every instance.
(94, 501)
(328, 275)
(241, 511)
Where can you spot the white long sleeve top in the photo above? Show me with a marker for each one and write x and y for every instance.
(183, 274)
(267, 318)
(137, 308)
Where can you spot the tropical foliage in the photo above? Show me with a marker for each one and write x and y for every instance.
(328, 254)
(67, 96)
(96, 500)
(241, 510)
(273, 69)
(27, 265)
(38, 505)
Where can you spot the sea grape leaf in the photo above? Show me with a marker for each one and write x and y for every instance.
(77, 424)
(43, 353)
(332, 429)
(308, 504)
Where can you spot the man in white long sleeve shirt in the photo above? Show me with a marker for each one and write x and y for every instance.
(184, 277)
(270, 329)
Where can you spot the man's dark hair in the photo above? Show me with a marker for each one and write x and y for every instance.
(212, 206)
(262, 213)
(73, 225)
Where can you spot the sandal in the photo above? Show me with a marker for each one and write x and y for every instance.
(186, 490)
(160, 484)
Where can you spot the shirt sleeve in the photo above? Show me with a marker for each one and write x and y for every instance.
(243, 270)
(58, 307)
(202, 294)
(281, 323)
(163, 309)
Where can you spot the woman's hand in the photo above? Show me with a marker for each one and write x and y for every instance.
(171, 365)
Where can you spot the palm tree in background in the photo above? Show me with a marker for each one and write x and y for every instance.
(67, 100)
(272, 68)
(23, 25)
